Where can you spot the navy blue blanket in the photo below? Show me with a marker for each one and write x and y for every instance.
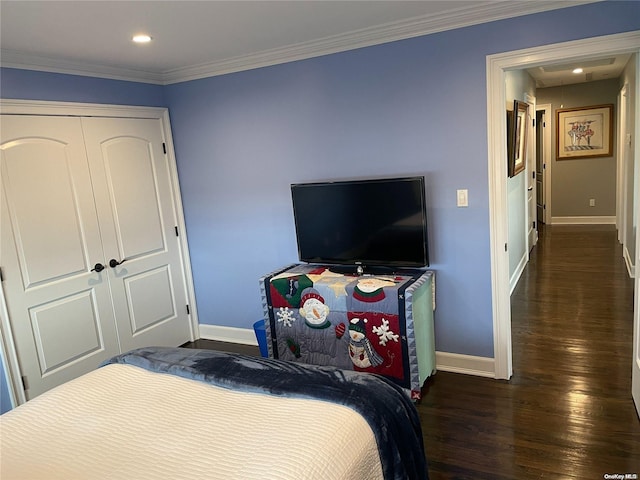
(388, 410)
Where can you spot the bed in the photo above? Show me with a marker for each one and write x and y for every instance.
(177, 413)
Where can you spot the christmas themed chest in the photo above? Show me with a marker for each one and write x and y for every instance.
(363, 323)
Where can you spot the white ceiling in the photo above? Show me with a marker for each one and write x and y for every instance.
(594, 69)
(195, 39)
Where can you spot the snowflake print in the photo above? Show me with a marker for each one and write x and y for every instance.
(384, 333)
(285, 316)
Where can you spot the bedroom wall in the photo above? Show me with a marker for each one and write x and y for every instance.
(379, 111)
(416, 106)
(30, 85)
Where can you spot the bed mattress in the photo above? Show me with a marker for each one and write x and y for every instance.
(124, 422)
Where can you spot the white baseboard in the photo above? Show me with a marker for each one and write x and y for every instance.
(467, 364)
(447, 362)
(602, 220)
(513, 281)
(631, 269)
(245, 336)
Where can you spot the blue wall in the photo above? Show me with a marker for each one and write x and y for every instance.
(29, 85)
(416, 106)
(5, 397)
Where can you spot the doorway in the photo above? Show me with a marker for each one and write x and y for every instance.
(497, 65)
(543, 164)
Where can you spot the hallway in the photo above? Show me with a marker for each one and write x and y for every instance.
(567, 411)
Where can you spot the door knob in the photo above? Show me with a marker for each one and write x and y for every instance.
(98, 267)
(113, 263)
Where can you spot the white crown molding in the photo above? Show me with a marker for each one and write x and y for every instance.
(23, 61)
(390, 32)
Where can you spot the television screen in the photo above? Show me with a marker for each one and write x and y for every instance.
(362, 222)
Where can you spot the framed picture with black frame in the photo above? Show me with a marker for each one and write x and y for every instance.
(517, 124)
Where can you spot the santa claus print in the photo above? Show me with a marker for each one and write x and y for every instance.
(371, 289)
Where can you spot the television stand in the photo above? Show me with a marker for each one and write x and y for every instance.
(380, 323)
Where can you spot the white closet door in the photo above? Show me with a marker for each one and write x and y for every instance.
(61, 312)
(134, 199)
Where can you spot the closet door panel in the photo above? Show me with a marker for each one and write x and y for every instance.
(65, 329)
(44, 208)
(133, 191)
(60, 311)
(151, 299)
(134, 199)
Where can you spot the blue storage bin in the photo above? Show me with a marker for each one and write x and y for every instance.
(261, 336)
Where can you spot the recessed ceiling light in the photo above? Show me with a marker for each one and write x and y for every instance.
(141, 38)
(577, 70)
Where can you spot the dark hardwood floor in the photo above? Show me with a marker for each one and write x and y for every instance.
(224, 347)
(567, 411)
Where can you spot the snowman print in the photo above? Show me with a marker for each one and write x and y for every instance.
(361, 352)
(313, 309)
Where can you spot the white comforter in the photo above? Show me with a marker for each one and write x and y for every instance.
(123, 422)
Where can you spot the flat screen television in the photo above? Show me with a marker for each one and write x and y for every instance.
(374, 222)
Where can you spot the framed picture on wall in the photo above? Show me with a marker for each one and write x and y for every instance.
(584, 132)
(517, 123)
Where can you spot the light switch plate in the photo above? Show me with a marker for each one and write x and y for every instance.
(463, 198)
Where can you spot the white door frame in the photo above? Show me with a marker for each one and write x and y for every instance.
(635, 365)
(30, 107)
(546, 160)
(497, 65)
(530, 183)
(621, 185)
